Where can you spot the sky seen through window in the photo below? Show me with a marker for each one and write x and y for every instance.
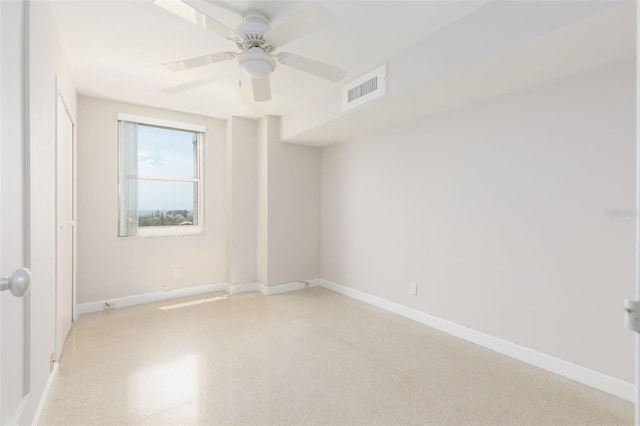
(165, 153)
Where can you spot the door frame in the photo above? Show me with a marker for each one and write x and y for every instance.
(22, 35)
(72, 119)
(637, 277)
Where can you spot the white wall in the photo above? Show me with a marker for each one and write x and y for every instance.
(294, 210)
(498, 213)
(242, 200)
(262, 237)
(288, 208)
(262, 210)
(111, 267)
(47, 64)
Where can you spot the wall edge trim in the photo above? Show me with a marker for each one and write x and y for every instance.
(46, 394)
(139, 299)
(244, 287)
(592, 378)
(287, 287)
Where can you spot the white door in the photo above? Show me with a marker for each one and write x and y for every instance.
(637, 335)
(64, 222)
(14, 214)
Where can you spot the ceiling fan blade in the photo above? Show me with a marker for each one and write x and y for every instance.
(188, 11)
(308, 20)
(190, 85)
(261, 89)
(226, 7)
(312, 67)
(200, 61)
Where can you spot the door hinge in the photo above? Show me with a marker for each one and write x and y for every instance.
(632, 315)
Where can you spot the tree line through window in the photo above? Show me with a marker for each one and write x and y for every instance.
(165, 218)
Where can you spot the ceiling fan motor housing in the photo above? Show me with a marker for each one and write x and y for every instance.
(253, 29)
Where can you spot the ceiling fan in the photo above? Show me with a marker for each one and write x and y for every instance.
(257, 43)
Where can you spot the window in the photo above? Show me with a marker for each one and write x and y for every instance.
(160, 179)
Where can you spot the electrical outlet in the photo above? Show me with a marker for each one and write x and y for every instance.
(176, 273)
(165, 288)
(413, 289)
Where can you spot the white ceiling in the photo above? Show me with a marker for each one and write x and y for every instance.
(115, 50)
(502, 48)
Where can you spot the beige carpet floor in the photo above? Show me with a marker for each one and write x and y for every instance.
(301, 358)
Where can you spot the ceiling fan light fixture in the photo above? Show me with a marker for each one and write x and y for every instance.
(256, 63)
(257, 68)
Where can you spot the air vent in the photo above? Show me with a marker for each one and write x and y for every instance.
(362, 90)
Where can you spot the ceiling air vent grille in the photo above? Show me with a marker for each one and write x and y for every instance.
(362, 90)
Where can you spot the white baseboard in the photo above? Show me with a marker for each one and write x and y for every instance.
(46, 393)
(316, 282)
(244, 287)
(586, 376)
(15, 418)
(286, 287)
(271, 290)
(138, 299)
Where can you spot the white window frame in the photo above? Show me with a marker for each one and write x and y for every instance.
(157, 231)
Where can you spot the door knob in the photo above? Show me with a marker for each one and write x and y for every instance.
(19, 283)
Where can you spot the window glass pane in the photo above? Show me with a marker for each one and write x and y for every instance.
(166, 152)
(166, 203)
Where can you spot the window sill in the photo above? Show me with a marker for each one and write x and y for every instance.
(167, 231)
